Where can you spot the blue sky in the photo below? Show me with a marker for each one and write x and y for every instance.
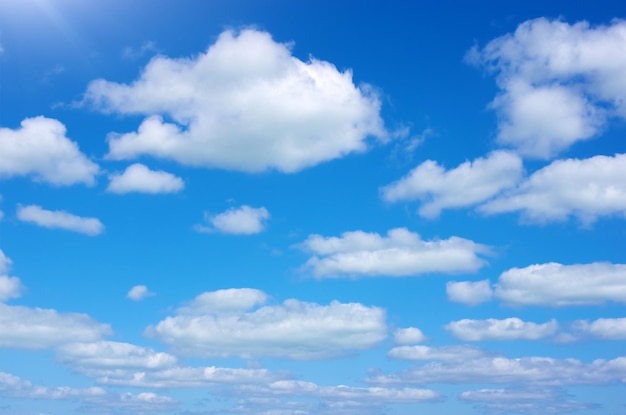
(312, 208)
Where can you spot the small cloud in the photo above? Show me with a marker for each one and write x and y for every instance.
(139, 292)
(59, 219)
(244, 220)
(410, 335)
(468, 292)
(139, 178)
(136, 53)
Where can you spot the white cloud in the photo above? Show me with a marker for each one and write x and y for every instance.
(524, 400)
(139, 292)
(522, 371)
(39, 148)
(10, 287)
(585, 188)
(139, 178)
(558, 82)
(293, 329)
(602, 328)
(400, 253)
(245, 104)
(468, 184)
(444, 353)
(555, 285)
(244, 220)
(469, 292)
(13, 387)
(36, 328)
(410, 335)
(59, 219)
(506, 329)
(233, 300)
(5, 263)
(113, 355)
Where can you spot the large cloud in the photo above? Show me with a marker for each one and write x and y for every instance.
(554, 284)
(586, 189)
(40, 149)
(293, 329)
(507, 329)
(467, 184)
(59, 219)
(558, 82)
(245, 104)
(400, 253)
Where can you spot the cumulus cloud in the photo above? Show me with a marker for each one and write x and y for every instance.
(245, 92)
(110, 354)
(139, 292)
(558, 82)
(521, 371)
(35, 328)
(444, 353)
(293, 329)
(59, 219)
(231, 300)
(409, 335)
(40, 149)
(139, 178)
(244, 220)
(400, 253)
(556, 285)
(506, 329)
(602, 328)
(469, 292)
(585, 189)
(466, 185)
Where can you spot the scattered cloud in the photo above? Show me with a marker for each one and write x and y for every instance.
(13, 387)
(36, 328)
(585, 189)
(466, 185)
(558, 82)
(469, 292)
(522, 371)
(139, 178)
(410, 335)
(400, 253)
(558, 285)
(293, 329)
(40, 149)
(139, 292)
(444, 353)
(506, 329)
(245, 92)
(244, 220)
(59, 219)
(136, 53)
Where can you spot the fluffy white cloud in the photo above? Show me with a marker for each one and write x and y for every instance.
(59, 219)
(244, 220)
(293, 329)
(36, 328)
(139, 292)
(444, 353)
(245, 104)
(522, 371)
(112, 355)
(585, 188)
(524, 400)
(233, 300)
(39, 148)
(602, 328)
(557, 81)
(554, 284)
(400, 253)
(410, 335)
(468, 184)
(139, 178)
(469, 292)
(506, 329)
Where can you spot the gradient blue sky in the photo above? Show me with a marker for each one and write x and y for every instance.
(315, 207)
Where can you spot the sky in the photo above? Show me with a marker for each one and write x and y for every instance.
(313, 207)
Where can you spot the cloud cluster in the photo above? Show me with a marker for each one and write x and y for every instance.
(245, 104)
(558, 82)
(244, 220)
(40, 149)
(400, 253)
(59, 219)
(293, 329)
